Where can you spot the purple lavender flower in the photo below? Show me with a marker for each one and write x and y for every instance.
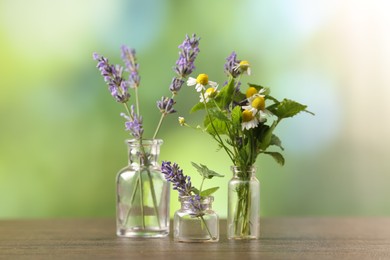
(128, 57)
(166, 105)
(231, 64)
(174, 174)
(133, 124)
(117, 85)
(176, 85)
(196, 205)
(188, 51)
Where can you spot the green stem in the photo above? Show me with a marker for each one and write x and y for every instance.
(131, 203)
(128, 110)
(207, 228)
(142, 200)
(159, 125)
(201, 185)
(136, 99)
(154, 199)
(219, 139)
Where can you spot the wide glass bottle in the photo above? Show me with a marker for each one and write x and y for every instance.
(142, 206)
(196, 221)
(243, 204)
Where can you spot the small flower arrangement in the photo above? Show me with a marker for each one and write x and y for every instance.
(140, 186)
(243, 117)
(242, 121)
(182, 183)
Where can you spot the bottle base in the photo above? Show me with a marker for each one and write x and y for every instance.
(140, 233)
(194, 240)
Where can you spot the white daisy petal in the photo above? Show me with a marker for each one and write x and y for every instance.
(191, 81)
(199, 87)
(213, 84)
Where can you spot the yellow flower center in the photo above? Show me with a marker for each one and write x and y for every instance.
(247, 116)
(258, 103)
(202, 79)
(244, 64)
(250, 92)
(210, 92)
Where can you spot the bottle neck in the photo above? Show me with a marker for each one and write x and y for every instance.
(143, 152)
(243, 173)
(195, 203)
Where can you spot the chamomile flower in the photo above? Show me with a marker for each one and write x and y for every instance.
(201, 82)
(256, 105)
(252, 92)
(249, 120)
(243, 67)
(208, 94)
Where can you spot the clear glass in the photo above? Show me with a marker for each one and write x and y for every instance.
(142, 207)
(243, 205)
(195, 221)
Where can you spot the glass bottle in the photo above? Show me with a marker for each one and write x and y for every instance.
(142, 207)
(243, 220)
(196, 221)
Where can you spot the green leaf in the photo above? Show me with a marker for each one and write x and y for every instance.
(195, 190)
(277, 156)
(276, 141)
(224, 97)
(205, 172)
(219, 115)
(239, 96)
(236, 116)
(217, 126)
(201, 106)
(208, 192)
(267, 137)
(287, 108)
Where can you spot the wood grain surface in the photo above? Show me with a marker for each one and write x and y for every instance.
(281, 238)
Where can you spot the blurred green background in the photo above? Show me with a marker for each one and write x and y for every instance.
(62, 139)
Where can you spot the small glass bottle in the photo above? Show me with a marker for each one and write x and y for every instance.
(142, 193)
(243, 204)
(196, 221)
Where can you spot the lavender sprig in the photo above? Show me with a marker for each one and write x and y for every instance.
(174, 174)
(231, 64)
(112, 75)
(166, 105)
(133, 123)
(189, 50)
(129, 58)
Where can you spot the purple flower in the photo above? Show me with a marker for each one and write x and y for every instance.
(133, 124)
(196, 205)
(128, 57)
(166, 105)
(174, 174)
(188, 51)
(176, 85)
(231, 64)
(112, 75)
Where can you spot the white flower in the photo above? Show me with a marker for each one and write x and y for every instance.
(256, 105)
(201, 82)
(249, 120)
(243, 67)
(208, 94)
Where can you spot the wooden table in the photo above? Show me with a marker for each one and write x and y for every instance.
(282, 238)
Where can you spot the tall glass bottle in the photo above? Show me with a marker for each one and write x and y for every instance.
(142, 206)
(243, 204)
